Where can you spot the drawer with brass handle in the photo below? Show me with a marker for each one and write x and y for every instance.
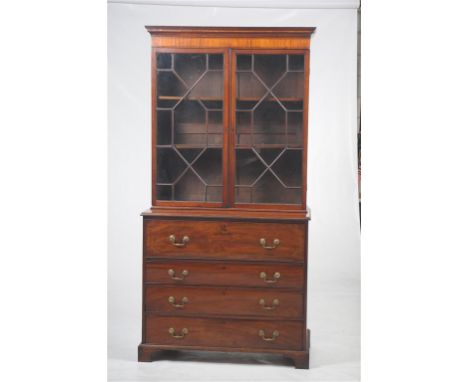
(274, 304)
(182, 334)
(266, 275)
(172, 274)
(274, 335)
(183, 243)
(224, 240)
(272, 280)
(263, 243)
(232, 333)
(184, 300)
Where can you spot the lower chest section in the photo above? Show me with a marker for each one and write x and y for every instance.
(223, 284)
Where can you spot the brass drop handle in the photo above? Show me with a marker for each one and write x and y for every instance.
(263, 243)
(185, 240)
(273, 337)
(173, 302)
(274, 304)
(276, 277)
(172, 332)
(184, 274)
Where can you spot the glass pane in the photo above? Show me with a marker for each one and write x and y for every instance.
(248, 167)
(190, 127)
(269, 124)
(189, 188)
(189, 123)
(213, 104)
(243, 194)
(215, 128)
(214, 193)
(164, 61)
(249, 87)
(190, 154)
(288, 168)
(164, 127)
(290, 87)
(243, 127)
(215, 122)
(169, 86)
(170, 165)
(269, 155)
(269, 190)
(269, 128)
(210, 87)
(190, 67)
(295, 134)
(270, 68)
(215, 61)
(244, 62)
(164, 192)
(296, 62)
(209, 167)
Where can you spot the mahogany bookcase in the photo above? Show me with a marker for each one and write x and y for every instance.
(225, 241)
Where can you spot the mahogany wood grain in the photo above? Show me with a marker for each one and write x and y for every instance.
(225, 240)
(223, 301)
(223, 332)
(225, 274)
(238, 43)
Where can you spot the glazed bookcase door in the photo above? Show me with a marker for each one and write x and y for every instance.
(268, 137)
(190, 127)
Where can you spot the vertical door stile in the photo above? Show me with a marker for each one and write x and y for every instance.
(305, 127)
(232, 114)
(227, 128)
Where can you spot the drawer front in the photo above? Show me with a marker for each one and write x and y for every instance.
(224, 240)
(180, 300)
(224, 333)
(245, 275)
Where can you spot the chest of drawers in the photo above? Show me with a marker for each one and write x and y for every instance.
(230, 285)
(225, 241)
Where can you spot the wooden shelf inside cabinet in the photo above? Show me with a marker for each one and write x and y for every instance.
(189, 146)
(271, 99)
(269, 146)
(225, 241)
(190, 98)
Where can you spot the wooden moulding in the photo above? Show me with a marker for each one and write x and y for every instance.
(227, 213)
(229, 37)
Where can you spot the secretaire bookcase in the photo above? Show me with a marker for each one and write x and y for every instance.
(225, 241)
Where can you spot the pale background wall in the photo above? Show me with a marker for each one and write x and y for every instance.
(332, 182)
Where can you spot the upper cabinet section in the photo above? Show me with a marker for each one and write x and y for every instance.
(229, 117)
